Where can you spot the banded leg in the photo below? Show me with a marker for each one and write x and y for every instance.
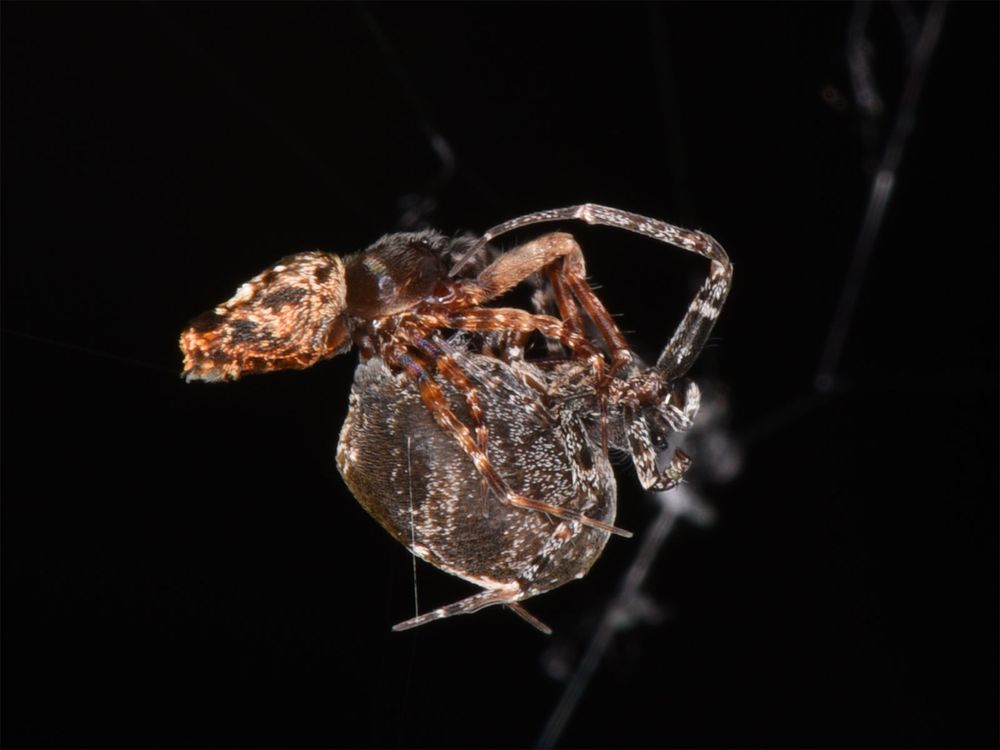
(476, 319)
(435, 402)
(561, 283)
(486, 318)
(694, 330)
(449, 368)
(523, 387)
(514, 319)
(569, 311)
(544, 302)
(644, 457)
(559, 256)
(696, 326)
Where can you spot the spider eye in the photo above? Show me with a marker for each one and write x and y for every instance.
(386, 285)
(392, 275)
(660, 441)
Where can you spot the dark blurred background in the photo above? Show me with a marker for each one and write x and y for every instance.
(182, 564)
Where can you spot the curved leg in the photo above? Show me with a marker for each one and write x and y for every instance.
(694, 330)
(447, 366)
(435, 402)
(559, 256)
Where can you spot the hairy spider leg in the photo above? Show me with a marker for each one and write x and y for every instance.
(559, 256)
(689, 337)
(561, 282)
(480, 319)
(514, 319)
(437, 405)
(694, 330)
(514, 387)
(490, 319)
(452, 371)
(699, 320)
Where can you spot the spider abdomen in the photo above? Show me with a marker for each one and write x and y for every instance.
(422, 487)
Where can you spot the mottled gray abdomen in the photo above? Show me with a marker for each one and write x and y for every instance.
(416, 480)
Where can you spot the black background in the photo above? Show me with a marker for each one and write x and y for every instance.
(182, 565)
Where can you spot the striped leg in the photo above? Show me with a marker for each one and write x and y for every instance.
(437, 405)
(450, 369)
(516, 383)
(694, 330)
(514, 319)
(558, 256)
(685, 344)
(487, 318)
(699, 320)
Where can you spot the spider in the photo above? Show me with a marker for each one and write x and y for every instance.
(393, 299)
(422, 487)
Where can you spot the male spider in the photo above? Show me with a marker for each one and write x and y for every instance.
(392, 300)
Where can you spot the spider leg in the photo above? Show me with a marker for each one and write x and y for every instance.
(486, 318)
(522, 387)
(569, 312)
(561, 259)
(543, 302)
(559, 256)
(694, 330)
(449, 368)
(435, 402)
(514, 319)
(561, 282)
(644, 457)
(507, 595)
(696, 326)
(529, 618)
